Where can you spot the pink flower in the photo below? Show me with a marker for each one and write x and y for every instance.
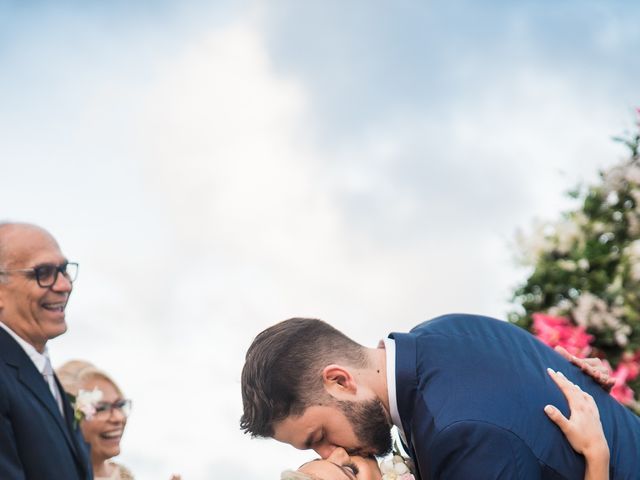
(560, 331)
(632, 362)
(628, 369)
(621, 391)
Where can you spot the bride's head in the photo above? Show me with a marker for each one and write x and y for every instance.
(338, 466)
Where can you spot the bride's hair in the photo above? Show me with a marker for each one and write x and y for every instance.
(295, 475)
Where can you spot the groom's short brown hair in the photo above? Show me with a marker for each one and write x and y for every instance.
(282, 374)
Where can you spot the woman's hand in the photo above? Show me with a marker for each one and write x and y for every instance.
(583, 428)
(594, 367)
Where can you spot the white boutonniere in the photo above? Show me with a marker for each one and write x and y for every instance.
(396, 468)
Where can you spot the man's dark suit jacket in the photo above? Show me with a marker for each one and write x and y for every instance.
(471, 392)
(36, 442)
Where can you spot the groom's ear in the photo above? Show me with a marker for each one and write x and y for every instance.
(338, 381)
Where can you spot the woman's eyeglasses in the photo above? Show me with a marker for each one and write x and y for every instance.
(104, 409)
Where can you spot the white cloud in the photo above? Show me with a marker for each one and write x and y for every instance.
(201, 211)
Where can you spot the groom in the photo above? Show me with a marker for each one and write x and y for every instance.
(466, 392)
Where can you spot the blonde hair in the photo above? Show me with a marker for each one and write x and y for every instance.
(296, 475)
(75, 373)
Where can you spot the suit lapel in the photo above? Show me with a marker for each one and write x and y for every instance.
(33, 381)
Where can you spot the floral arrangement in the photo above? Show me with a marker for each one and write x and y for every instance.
(84, 404)
(396, 466)
(584, 289)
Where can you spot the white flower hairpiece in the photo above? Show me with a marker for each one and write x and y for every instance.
(84, 405)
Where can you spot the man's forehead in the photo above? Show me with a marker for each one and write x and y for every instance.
(20, 243)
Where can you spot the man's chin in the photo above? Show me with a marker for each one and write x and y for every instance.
(57, 330)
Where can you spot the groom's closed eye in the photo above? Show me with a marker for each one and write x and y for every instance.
(315, 438)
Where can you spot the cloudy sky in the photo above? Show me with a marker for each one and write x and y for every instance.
(216, 167)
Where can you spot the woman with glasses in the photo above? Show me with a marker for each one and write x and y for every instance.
(102, 410)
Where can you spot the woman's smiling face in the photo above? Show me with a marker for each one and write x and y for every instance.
(104, 431)
(340, 466)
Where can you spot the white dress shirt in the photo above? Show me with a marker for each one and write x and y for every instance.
(390, 350)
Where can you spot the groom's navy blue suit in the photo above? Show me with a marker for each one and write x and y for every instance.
(471, 392)
(36, 442)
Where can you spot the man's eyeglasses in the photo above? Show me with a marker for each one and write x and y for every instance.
(104, 409)
(47, 274)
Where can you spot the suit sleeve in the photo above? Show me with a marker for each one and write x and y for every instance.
(473, 449)
(10, 465)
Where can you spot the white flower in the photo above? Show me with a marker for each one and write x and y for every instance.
(568, 233)
(85, 404)
(562, 308)
(531, 247)
(583, 263)
(395, 468)
(593, 312)
(567, 265)
(400, 468)
(633, 254)
(634, 223)
(614, 178)
(635, 194)
(632, 174)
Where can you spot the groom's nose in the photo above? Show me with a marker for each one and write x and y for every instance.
(339, 456)
(325, 450)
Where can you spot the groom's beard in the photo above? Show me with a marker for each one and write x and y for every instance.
(371, 426)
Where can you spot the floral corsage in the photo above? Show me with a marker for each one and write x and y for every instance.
(397, 467)
(84, 404)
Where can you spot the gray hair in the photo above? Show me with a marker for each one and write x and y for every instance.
(295, 475)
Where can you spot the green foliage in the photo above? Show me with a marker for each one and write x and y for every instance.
(586, 266)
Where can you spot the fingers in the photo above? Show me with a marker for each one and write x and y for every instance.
(582, 428)
(569, 390)
(577, 399)
(563, 351)
(557, 417)
(594, 367)
(578, 362)
(563, 383)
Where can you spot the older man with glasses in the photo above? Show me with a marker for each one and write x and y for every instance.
(38, 436)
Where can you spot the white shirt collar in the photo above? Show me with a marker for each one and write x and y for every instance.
(38, 359)
(390, 349)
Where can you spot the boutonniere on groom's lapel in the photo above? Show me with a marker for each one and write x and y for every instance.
(84, 404)
(397, 466)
